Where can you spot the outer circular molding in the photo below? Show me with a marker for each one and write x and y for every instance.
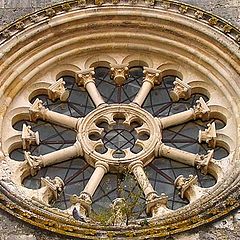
(197, 41)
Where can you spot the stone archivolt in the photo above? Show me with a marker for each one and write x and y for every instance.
(78, 55)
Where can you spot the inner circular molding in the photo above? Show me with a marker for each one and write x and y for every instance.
(119, 134)
(127, 134)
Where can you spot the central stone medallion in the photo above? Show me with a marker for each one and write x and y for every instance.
(119, 135)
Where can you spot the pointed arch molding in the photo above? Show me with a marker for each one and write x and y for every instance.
(166, 35)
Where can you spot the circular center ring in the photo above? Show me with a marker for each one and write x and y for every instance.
(119, 135)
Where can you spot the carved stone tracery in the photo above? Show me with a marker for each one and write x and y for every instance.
(156, 205)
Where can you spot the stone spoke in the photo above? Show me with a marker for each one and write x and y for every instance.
(199, 161)
(38, 111)
(87, 80)
(37, 162)
(199, 111)
(151, 78)
(155, 205)
(82, 203)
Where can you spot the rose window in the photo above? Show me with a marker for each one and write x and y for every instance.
(120, 139)
(106, 132)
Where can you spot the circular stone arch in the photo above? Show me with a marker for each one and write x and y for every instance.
(74, 31)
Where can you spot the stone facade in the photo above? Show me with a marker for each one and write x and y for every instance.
(227, 228)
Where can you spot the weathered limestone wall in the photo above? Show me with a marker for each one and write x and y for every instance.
(225, 229)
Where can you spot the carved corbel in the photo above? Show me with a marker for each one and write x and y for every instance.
(119, 73)
(203, 161)
(188, 187)
(119, 214)
(201, 110)
(85, 77)
(29, 137)
(180, 90)
(32, 163)
(58, 90)
(81, 204)
(152, 76)
(37, 110)
(49, 191)
(157, 205)
(209, 135)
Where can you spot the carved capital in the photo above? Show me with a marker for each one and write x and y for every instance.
(50, 189)
(209, 135)
(119, 214)
(152, 76)
(201, 110)
(29, 137)
(86, 76)
(180, 90)
(102, 165)
(187, 187)
(119, 73)
(83, 201)
(157, 205)
(58, 90)
(134, 165)
(203, 161)
(32, 163)
(37, 110)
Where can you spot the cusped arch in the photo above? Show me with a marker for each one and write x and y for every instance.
(133, 60)
(172, 69)
(62, 70)
(102, 60)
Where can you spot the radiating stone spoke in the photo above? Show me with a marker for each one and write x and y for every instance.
(156, 205)
(38, 111)
(199, 111)
(87, 80)
(151, 78)
(34, 163)
(199, 161)
(82, 203)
